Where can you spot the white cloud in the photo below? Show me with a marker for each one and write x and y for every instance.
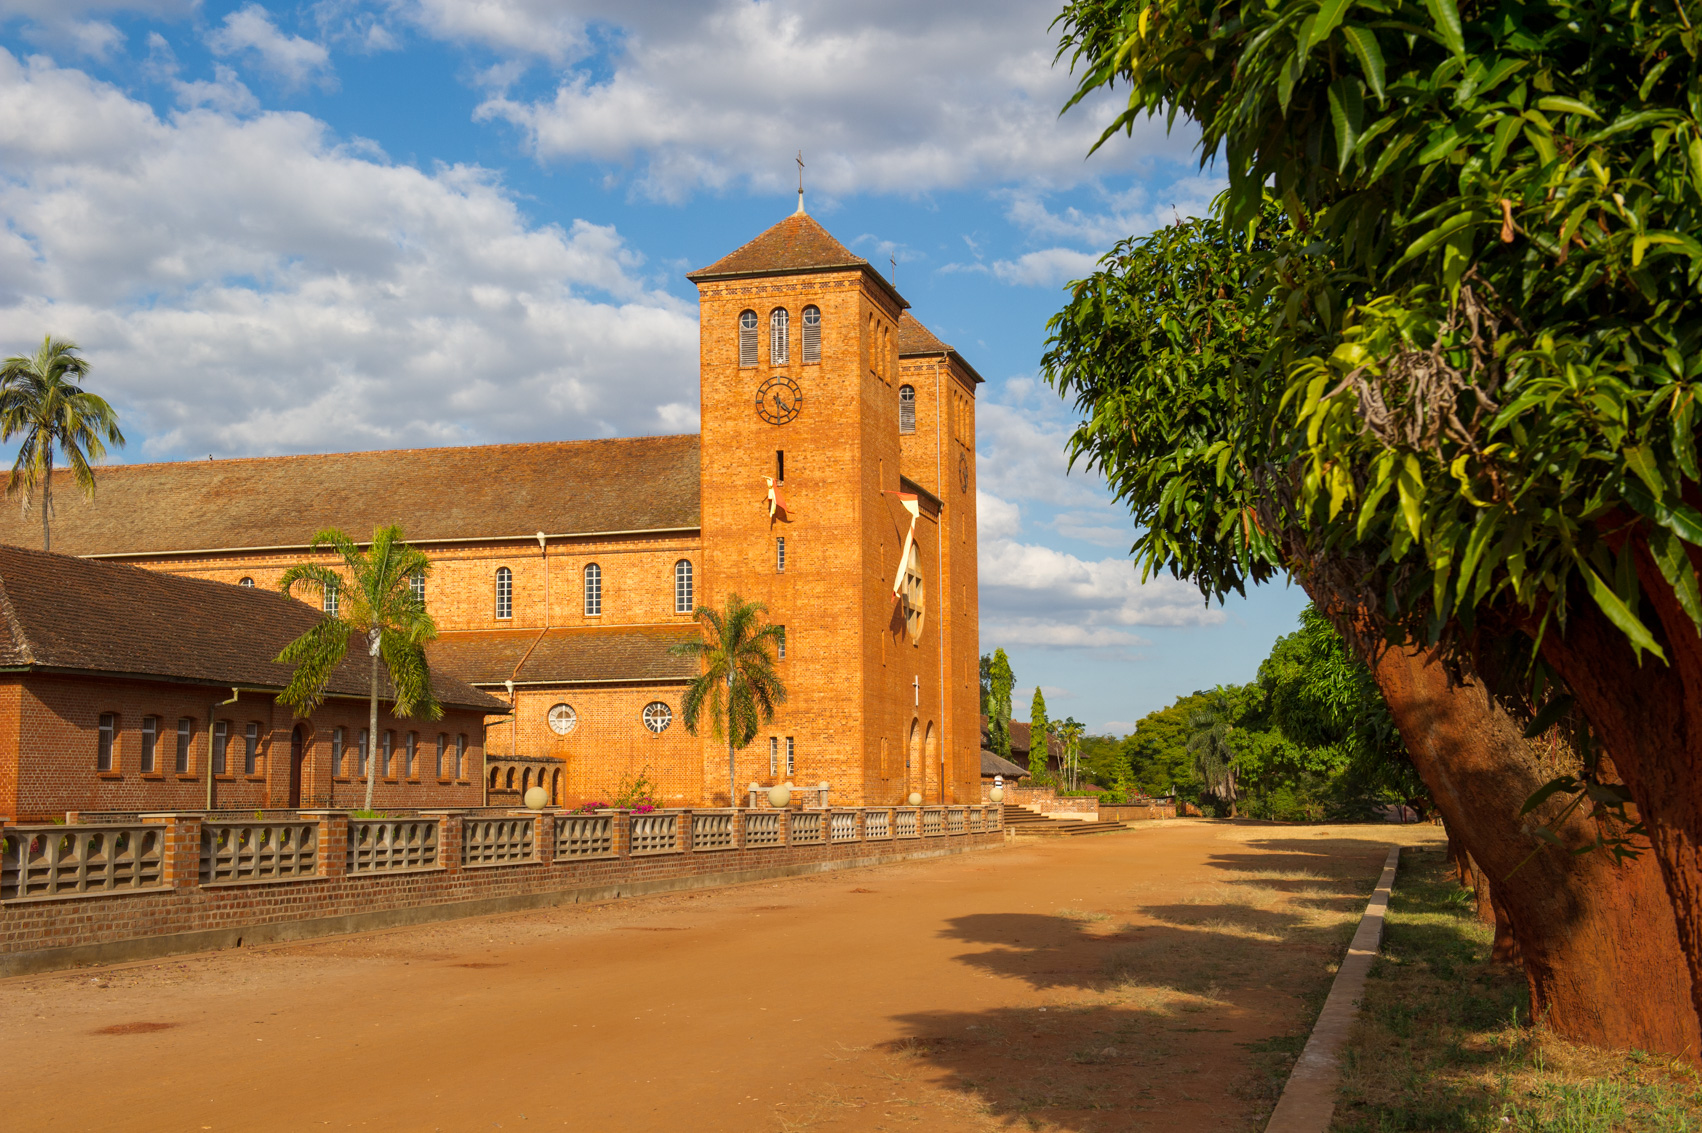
(1078, 595)
(996, 518)
(1132, 211)
(887, 96)
(1021, 452)
(250, 285)
(1048, 267)
(290, 57)
(1106, 527)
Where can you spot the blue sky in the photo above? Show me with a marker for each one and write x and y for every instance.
(339, 225)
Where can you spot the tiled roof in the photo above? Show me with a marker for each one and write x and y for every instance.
(796, 244)
(564, 487)
(566, 656)
(993, 764)
(62, 613)
(914, 339)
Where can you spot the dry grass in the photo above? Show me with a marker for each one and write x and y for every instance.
(1442, 1042)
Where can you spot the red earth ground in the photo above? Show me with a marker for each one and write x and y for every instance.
(1161, 978)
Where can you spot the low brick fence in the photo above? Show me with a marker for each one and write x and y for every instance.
(1136, 812)
(169, 883)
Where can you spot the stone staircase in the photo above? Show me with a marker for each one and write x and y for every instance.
(1021, 820)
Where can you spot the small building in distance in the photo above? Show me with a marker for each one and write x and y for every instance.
(124, 689)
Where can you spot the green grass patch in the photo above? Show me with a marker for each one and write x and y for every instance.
(1444, 1041)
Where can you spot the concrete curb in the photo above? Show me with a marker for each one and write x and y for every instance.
(279, 932)
(1308, 1102)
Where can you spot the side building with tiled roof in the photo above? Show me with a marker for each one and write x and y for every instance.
(131, 690)
(834, 480)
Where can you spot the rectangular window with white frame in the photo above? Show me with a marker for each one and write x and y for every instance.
(780, 643)
(773, 755)
(442, 751)
(221, 747)
(791, 758)
(251, 749)
(461, 756)
(150, 743)
(337, 742)
(362, 746)
(780, 555)
(185, 736)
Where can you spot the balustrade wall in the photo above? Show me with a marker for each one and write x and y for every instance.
(154, 884)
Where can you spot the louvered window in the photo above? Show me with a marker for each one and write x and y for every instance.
(779, 337)
(747, 339)
(906, 409)
(812, 335)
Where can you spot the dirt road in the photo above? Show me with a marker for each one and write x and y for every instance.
(1161, 978)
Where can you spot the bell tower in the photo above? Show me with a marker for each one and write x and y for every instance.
(806, 508)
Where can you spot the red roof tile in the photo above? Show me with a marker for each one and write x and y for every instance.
(796, 244)
(914, 339)
(486, 491)
(567, 656)
(80, 615)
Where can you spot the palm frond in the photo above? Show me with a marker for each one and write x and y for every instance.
(316, 655)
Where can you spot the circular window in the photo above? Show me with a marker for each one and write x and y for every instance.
(657, 716)
(563, 719)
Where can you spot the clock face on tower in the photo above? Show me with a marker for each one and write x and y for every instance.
(778, 400)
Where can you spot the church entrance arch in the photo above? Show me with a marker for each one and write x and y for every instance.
(931, 761)
(915, 771)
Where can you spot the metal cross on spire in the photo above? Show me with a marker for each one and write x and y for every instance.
(800, 182)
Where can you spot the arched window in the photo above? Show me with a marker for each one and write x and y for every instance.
(907, 409)
(416, 583)
(593, 590)
(779, 337)
(504, 592)
(812, 335)
(247, 582)
(682, 587)
(747, 339)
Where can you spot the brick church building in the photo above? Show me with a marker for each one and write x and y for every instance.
(834, 481)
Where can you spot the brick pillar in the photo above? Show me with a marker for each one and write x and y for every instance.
(738, 829)
(623, 834)
(544, 840)
(786, 827)
(448, 838)
(333, 841)
(687, 841)
(180, 849)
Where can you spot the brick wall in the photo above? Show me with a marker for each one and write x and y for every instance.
(49, 729)
(181, 907)
(609, 741)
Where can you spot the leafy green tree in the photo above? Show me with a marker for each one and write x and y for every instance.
(374, 599)
(41, 401)
(1000, 682)
(986, 683)
(1039, 742)
(1070, 732)
(1214, 756)
(1473, 353)
(738, 686)
(1157, 750)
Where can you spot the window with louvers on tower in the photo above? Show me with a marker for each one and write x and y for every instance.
(812, 335)
(747, 339)
(779, 337)
(906, 409)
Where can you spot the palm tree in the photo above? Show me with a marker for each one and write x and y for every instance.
(40, 400)
(1214, 758)
(1070, 732)
(738, 685)
(374, 597)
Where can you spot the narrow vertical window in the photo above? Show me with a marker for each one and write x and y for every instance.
(812, 335)
(408, 755)
(780, 643)
(185, 734)
(780, 465)
(385, 767)
(593, 590)
(104, 745)
(442, 751)
(747, 339)
(504, 592)
(779, 337)
(221, 746)
(251, 748)
(773, 755)
(907, 409)
(461, 756)
(780, 555)
(791, 758)
(362, 744)
(416, 583)
(682, 587)
(337, 735)
(150, 739)
(331, 600)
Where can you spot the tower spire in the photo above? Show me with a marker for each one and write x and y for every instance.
(800, 183)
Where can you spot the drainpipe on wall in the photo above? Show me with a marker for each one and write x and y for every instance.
(213, 711)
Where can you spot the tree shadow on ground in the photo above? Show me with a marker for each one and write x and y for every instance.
(1181, 1015)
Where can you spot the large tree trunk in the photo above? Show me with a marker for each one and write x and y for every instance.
(1598, 939)
(1648, 717)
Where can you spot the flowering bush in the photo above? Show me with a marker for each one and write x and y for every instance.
(589, 808)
